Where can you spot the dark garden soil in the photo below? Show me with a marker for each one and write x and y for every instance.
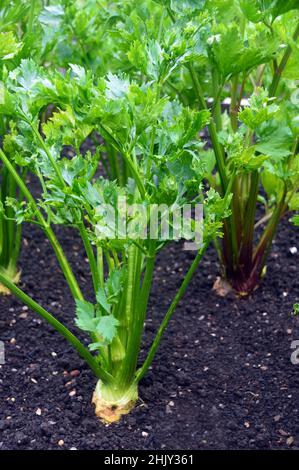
(222, 379)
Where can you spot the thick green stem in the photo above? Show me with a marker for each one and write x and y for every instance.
(68, 335)
(219, 154)
(31, 17)
(17, 246)
(128, 161)
(3, 228)
(10, 232)
(153, 137)
(230, 243)
(232, 227)
(217, 103)
(11, 225)
(136, 175)
(90, 256)
(279, 70)
(156, 343)
(148, 277)
(18, 229)
(266, 240)
(136, 327)
(48, 153)
(248, 231)
(130, 283)
(64, 264)
(170, 13)
(131, 314)
(115, 172)
(234, 103)
(100, 266)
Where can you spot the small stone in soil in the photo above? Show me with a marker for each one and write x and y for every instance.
(21, 438)
(75, 373)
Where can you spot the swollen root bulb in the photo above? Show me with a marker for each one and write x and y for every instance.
(111, 404)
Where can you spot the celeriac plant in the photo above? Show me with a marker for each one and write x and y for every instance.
(23, 34)
(158, 139)
(245, 52)
(13, 45)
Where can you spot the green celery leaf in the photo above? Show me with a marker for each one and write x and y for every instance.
(260, 110)
(102, 300)
(96, 346)
(51, 16)
(272, 184)
(279, 7)
(274, 139)
(107, 327)
(85, 316)
(9, 46)
(294, 203)
(266, 10)
(233, 55)
(114, 284)
(295, 220)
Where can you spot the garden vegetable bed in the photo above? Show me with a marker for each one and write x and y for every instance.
(222, 378)
(145, 81)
